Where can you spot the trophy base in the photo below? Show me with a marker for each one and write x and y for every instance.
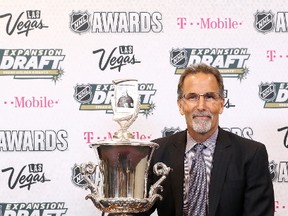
(123, 206)
(120, 214)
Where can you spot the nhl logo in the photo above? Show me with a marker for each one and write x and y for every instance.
(77, 178)
(83, 93)
(264, 21)
(267, 92)
(272, 169)
(79, 22)
(178, 58)
(169, 131)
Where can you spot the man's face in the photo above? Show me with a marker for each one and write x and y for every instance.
(202, 116)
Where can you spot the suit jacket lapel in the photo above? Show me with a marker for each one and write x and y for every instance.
(221, 160)
(177, 176)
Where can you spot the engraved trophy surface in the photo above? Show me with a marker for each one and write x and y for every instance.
(123, 162)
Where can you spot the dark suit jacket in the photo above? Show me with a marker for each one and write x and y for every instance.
(240, 180)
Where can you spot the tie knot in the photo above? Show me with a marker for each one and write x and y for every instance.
(199, 147)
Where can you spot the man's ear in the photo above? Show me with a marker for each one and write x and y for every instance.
(180, 107)
(222, 106)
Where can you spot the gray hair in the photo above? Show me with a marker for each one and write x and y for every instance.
(197, 68)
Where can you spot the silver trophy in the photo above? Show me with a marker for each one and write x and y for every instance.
(123, 162)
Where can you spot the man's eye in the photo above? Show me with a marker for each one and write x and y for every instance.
(192, 96)
(209, 96)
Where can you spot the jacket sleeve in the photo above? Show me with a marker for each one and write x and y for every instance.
(259, 193)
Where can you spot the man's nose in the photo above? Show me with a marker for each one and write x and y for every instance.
(201, 102)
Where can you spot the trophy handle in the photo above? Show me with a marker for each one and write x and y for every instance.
(159, 169)
(87, 169)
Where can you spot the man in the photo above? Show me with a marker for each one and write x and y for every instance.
(237, 178)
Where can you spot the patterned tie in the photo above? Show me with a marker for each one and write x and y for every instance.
(197, 194)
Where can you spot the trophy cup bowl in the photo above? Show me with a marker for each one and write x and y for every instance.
(123, 163)
(124, 169)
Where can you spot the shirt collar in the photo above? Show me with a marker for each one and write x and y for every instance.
(210, 143)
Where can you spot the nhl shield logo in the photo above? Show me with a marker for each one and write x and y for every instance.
(83, 93)
(272, 169)
(77, 178)
(267, 92)
(264, 21)
(178, 58)
(79, 22)
(169, 131)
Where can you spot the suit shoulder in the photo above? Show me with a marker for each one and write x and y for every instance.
(238, 140)
(170, 139)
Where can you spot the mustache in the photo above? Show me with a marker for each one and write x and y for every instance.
(202, 114)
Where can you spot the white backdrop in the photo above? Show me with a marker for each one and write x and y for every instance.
(57, 63)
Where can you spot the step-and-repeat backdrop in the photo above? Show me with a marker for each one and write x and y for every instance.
(57, 63)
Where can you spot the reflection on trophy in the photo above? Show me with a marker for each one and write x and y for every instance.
(123, 162)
